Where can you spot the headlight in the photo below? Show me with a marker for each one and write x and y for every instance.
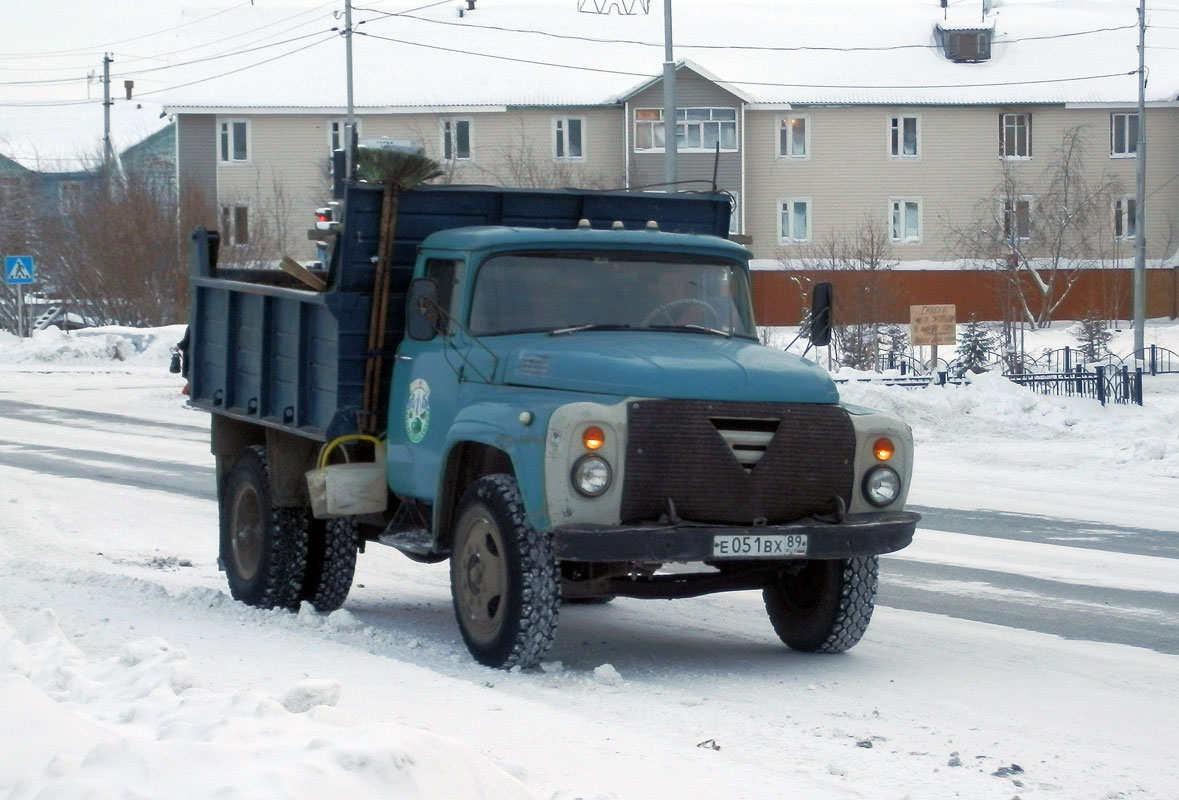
(591, 475)
(882, 486)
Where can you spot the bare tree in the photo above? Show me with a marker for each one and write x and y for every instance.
(1040, 231)
(864, 254)
(526, 162)
(18, 234)
(111, 253)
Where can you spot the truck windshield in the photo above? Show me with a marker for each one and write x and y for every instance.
(521, 292)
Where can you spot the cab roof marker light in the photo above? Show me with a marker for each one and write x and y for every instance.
(617, 225)
(652, 225)
(583, 224)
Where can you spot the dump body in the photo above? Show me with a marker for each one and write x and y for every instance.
(266, 350)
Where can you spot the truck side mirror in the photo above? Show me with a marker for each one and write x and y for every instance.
(822, 299)
(421, 310)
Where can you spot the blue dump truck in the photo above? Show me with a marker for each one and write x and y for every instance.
(565, 396)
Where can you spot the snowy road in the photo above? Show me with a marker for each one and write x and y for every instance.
(958, 690)
(1012, 591)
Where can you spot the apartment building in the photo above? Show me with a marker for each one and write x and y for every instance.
(920, 121)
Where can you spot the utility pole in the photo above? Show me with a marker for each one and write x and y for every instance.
(1140, 198)
(349, 122)
(669, 121)
(108, 154)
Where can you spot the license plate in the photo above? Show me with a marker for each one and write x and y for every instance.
(752, 546)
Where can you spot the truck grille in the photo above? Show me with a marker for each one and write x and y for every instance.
(736, 463)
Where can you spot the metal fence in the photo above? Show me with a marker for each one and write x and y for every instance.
(1103, 383)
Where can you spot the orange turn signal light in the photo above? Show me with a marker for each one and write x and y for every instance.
(593, 438)
(883, 449)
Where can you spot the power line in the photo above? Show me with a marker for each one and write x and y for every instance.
(762, 48)
(173, 52)
(748, 83)
(148, 71)
(109, 45)
(330, 38)
(62, 103)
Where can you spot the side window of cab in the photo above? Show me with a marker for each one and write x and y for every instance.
(446, 273)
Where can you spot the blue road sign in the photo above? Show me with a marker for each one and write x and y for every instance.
(19, 270)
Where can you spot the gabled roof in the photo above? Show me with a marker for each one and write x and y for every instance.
(693, 67)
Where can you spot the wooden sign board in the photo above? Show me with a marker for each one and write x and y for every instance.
(932, 325)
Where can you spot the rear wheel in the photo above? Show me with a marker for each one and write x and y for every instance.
(263, 548)
(503, 576)
(826, 606)
(331, 562)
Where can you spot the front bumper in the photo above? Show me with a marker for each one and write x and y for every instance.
(856, 535)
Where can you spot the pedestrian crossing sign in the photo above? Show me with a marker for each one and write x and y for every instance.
(19, 270)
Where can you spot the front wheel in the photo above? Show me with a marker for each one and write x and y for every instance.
(826, 606)
(504, 578)
(263, 547)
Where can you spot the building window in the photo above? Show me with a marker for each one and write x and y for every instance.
(234, 142)
(905, 220)
(568, 139)
(1123, 135)
(235, 224)
(338, 133)
(903, 137)
(70, 195)
(794, 220)
(967, 46)
(1125, 217)
(697, 129)
(1015, 135)
(794, 137)
(456, 139)
(1016, 213)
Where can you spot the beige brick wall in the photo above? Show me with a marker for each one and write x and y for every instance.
(287, 174)
(848, 175)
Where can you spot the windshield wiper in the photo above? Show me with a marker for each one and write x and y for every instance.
(591, 326)
(694, 328)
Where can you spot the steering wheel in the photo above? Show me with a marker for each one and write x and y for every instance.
(711, 319)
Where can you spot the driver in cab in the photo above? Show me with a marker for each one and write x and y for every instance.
(678, 300)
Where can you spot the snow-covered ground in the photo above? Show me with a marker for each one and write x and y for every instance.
(126, 670)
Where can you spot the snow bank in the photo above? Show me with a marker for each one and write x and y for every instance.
(141, 721)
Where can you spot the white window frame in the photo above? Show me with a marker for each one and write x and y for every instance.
(226, 136)
(784, 126)
(229, 223)
(562, 130)
(1128, 148)
(1016, 156)
(896, 136)
(898, 230)
(1008, 214)
(786, 232)
(1125, 218)
(450, 135)
(336, 130)
(653, 119)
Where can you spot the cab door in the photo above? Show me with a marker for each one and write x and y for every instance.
(423, 399)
